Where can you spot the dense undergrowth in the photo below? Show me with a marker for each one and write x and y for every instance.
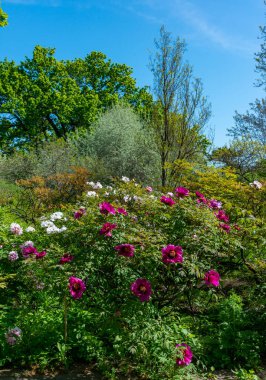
(131, 279)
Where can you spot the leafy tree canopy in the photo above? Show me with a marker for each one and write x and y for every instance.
(43, 98)
(3, 18)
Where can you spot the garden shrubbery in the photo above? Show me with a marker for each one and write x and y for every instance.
(134, 280)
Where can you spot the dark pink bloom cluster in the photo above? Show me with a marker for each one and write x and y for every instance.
(221, 215)
(28, 249)
(107, 228)
(172, 254)
(181, 192)
(142, 289)
(212, 278)
(126, 250)
(122, 211)
(201, 198)
(40, 255)
(106, 208)
(78, 214)
(186, 354)
(167, 200)
(66, 258)
(225, 227)
(76, 287)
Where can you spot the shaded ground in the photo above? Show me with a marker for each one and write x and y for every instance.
(83, 371)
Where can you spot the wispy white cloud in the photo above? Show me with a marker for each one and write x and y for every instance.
(193, 16)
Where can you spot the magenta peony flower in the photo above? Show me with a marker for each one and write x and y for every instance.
(76, 287)
(225, 227)
(212, 278)
(167, 201)
(221, 215)
(66, 258)
(186, 354)
(107, 228)
(78, 214)
(40, 255)
(172, 254)
(126, 250)
(201, 198)
(142, 289)
(122, 211)
(215, 204)
(181, 192)
(106, 208)
(28, 250)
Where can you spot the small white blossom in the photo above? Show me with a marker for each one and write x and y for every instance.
(52, 230)
(56, 216)
(170, 194)
(90, 183)
(136, 198)
(127, 198)
(256, 184)
(97, 185)
(47, 223)
(62, 229)
(109, 188)
(30, 229)
(91, 194)
(125, 179)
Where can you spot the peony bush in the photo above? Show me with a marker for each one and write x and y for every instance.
(127, 278)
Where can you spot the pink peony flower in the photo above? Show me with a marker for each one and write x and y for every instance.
(225, 227)
(107, 228)
(16, 229)
(186, 354)
(212, 278)
(215, 204)
(142, 289)
(40, 255)
(148, 189)
(106, 208)
(66, 258)
(221, 215)
(13, 335)
(13, 256)
(167, 201)
(126, 250)
(76, 287)
(172, 254)
(201, 198)
(78, 214)
(122, 211)
(181, 192)
(28, 250)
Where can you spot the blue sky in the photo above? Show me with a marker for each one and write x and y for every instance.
(221, 35)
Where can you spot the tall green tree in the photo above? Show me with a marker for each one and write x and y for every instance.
(43, 98)
(181, 110)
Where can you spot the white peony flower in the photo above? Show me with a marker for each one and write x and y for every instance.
(16, 229)
(91, 194)
(30, 229)
(56, 216)
(125, 179)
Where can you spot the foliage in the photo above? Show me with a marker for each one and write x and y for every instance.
(43, 98)
(121, 144)
(3, 18)
(108, 324)
(247, 157)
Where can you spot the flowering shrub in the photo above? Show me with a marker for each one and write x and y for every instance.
(122, 278)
